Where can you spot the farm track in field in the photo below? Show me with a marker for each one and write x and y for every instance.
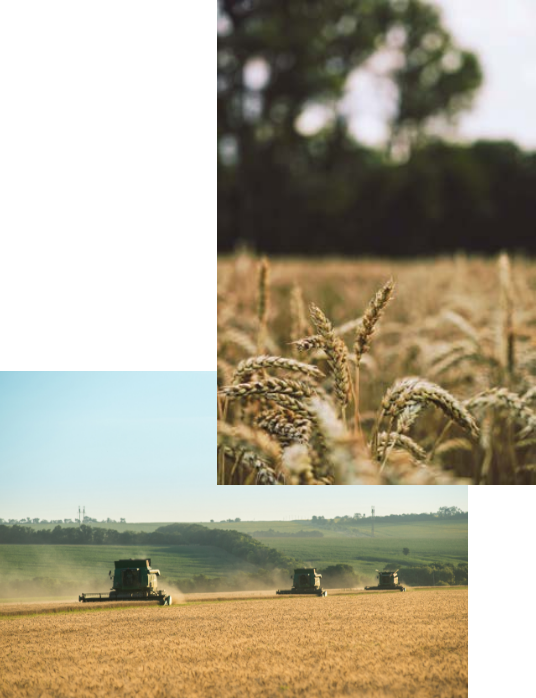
(412, 644)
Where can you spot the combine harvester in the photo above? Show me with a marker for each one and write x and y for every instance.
(387, 581)
(133, 580)
(306, 581)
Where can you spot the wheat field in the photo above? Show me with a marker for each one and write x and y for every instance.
(376, 372)
(376, 644)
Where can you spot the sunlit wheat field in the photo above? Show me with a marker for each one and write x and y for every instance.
(376, 644)
(376, 372)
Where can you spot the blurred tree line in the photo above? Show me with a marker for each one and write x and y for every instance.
(284, 189)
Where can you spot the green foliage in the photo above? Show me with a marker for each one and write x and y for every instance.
(308, 50)
(405, 551)
(241, 581)
(435, 574)
(339, 576)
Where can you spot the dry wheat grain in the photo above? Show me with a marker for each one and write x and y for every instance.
(368, 322)
(297, 389)
(257, 363)
(337, 354)
(416, 390)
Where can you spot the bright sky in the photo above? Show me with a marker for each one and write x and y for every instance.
(124, 444)
(502, 34)
(142, 446)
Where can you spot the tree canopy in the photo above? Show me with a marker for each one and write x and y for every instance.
(287, 188)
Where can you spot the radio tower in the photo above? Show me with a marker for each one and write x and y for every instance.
(373, 512)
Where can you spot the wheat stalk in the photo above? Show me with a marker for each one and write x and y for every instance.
(298, 322)
(507, 307)
(263, 301)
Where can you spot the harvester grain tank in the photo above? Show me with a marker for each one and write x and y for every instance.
(306, 581)
(133, 580)
(387, 581)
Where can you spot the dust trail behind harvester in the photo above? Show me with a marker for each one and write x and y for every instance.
(176, 594)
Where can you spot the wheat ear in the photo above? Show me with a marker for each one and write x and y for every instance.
(296, 389)
(336, 352)
(416, 390)
(257, 363)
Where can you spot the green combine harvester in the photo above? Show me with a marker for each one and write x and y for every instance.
(387, 581)
(306, 581)
(133, 580)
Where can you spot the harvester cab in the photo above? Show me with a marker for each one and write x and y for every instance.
(132, 580)
(306, 581)
(387, 580)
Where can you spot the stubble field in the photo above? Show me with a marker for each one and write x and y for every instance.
(376, 644)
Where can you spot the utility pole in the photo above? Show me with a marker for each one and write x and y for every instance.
(373, 512)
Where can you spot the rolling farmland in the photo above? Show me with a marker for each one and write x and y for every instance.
(78, 568)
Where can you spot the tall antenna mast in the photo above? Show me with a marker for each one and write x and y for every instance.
(373, 512)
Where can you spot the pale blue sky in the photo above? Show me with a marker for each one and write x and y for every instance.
(141, 445)
(122, 443)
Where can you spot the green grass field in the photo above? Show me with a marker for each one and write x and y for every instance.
(438, 540)
(366, 555)
(72, 562)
